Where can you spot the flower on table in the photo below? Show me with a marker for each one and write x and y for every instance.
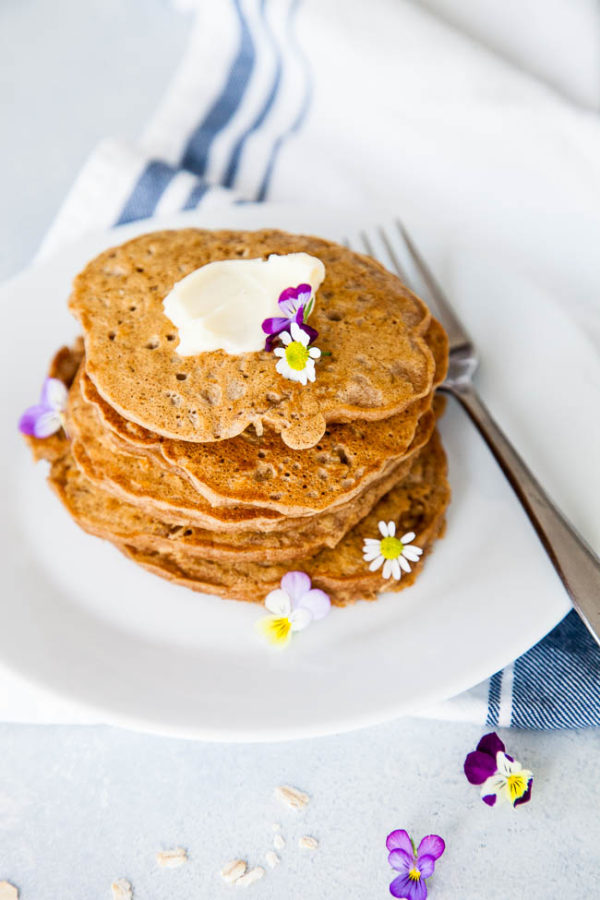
(292, 607)
(394, 553)
(500, 776)
(47, 416)
(296, 305)
(415, 865)
(296, 358)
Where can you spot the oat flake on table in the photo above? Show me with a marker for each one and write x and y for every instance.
(250, 877)
(233, 870)
(172, 859)
(292, 796)
(8, 891)
(121, 889)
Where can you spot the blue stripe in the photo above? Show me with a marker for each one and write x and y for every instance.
(494, 699)
(234, 160)
(196, 195)
(557, 682)
(304, 107)
(195, 157)
(157, 175)
(149, 188)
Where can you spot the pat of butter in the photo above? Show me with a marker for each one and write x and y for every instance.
(221, 306)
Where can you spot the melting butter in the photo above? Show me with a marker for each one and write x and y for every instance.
(221, 306)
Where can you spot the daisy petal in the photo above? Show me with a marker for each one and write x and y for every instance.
(286, 337)
(375, 564)
(314, 353)
(391, 529)
(54, 394)
(278, 602)
(383, 529)
(408, 537)
(387, 568)
(404, 563)
(295, 585)
(300, 618)
(371, 553)
(372, 542)
(279, 351)
(317, 602)
(412, 553)
(396, 571)
(297, 333)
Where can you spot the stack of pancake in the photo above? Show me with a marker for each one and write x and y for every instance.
(216, 472)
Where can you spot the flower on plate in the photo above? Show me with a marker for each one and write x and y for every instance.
(297, 359)
(500, 776)
(47, 416)
(292, 607)
(395, 553)
(413, 864)
(296, 305)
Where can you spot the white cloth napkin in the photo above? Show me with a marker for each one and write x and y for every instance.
(377, 106)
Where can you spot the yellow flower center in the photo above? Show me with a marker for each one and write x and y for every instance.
(413, 873)
(296, 355)
(517, 785)
(279, 629)
(391, 548)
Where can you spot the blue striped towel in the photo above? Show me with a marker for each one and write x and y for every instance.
(235, 127)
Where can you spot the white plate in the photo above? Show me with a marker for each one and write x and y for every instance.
(83, 621)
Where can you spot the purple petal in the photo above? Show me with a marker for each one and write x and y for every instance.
(39, 421)
(54, 394)
(490, 799)
(299, 294)
(270, 342)
(317, 602)
(431, 845)
(401, 860)
(403, 887)
(425, 865)
(275, 325)
(491, 743)
(296, 584)
(312, 333)
(299, 318)
(399, 840)
(526, 796)
(479, 766)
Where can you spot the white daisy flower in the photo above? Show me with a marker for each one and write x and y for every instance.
(394, 553)
(296, 358)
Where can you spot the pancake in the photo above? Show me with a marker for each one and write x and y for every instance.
(417, 503)
(263, 471)
(162, 492)
(372, 326)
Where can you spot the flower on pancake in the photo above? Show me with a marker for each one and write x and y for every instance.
(414, 864)
(47, 416)
(500, 776)
(296, 358)
(292, 607)
(395, 554)
(296, 305)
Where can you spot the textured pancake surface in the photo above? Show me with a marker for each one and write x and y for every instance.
(369, 322)
(417, 503)
(263, 471)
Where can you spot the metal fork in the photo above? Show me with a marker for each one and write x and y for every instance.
(576, 563)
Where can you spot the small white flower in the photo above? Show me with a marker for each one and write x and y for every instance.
(292, 607)
(296, 358)
(394, 553)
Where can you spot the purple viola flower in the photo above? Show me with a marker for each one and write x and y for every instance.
(414, 865)
(296, 304)
(47, 416)
(500, 776)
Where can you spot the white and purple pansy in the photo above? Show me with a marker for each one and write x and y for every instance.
(296, 305)
(500, 776)
(414, 865)
(48, 416)
(292, 607)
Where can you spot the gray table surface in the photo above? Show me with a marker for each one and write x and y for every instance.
(81, 806)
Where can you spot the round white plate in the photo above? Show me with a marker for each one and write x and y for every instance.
(86, 623)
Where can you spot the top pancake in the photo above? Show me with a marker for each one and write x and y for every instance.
(371, 324)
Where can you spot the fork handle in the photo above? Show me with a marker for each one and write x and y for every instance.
(576, 563)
